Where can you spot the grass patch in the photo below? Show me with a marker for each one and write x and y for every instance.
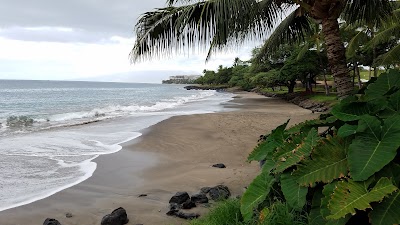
(280, 213)
(276, 90)
(223, 213)
(329, 100)
(228, 213)
(364, 74)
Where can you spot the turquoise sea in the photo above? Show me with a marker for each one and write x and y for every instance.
(50, 131)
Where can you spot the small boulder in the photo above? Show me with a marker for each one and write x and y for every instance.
(117, 217)
(186, 216)
(68, 215)
(205, 190)
(219, 192)
(219, 165)
(50, 221)
(199, 198)
(188, 204)
(179, 198)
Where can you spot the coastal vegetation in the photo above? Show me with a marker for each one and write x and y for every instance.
(338, 169)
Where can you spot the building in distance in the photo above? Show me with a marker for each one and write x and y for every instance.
(181, 79)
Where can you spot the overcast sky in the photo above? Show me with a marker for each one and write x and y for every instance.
(85, 40)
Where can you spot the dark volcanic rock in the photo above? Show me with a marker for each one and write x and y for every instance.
(219, 165)
(174, 207)
(179, 198)
(50, 221)
(188, 204)
(205, 190)
(199, 198)
(187, 216)
(68, 215)
(172, 212)
(219, 192)
(117, 217)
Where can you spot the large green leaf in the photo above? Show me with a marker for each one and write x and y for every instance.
(392, 170)
(394, 102)
(309, 124)
(295, 195)
(374, 148)
(387, 82)
(256, 193)
(350, 111)
(315, 217)
(327, 191)
(387, 212)
(350, 195)
(262, 150)
(296, 150)
(393, 106)
(347, 130)
(328, 162)
(275, 139)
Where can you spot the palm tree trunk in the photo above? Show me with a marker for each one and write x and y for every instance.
(336, 57)
(326, 85)
(358, 77)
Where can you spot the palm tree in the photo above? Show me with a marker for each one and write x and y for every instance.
(389, 33)
(188, 24)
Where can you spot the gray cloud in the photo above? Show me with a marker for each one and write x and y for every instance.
(96, 18)
(52, 35)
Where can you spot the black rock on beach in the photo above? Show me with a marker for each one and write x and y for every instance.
(117, 217)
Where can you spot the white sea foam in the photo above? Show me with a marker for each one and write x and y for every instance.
(121, 110)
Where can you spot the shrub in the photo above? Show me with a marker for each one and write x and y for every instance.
(342, 165)
(224, 213)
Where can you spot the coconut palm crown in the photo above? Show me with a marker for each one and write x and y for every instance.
(222, 24)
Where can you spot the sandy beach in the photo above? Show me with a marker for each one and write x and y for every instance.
(173, 155)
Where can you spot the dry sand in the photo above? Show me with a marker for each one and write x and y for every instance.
(173, 155)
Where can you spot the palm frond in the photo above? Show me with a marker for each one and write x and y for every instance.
(389, 58)
(387, 33)
(354, 43)
(174, 2)
(303, 50)
(367, 11)
(216, 24)
(291, 30)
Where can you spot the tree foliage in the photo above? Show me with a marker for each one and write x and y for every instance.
(350, 167)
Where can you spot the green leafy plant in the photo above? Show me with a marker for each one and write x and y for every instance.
(223, 213)
(335, 167)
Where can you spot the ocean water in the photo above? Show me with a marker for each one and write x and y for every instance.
(51, 131)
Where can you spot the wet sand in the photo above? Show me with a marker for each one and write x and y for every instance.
(173, 155)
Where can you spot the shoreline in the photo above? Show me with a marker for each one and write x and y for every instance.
(149, 165)
(296, 98)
